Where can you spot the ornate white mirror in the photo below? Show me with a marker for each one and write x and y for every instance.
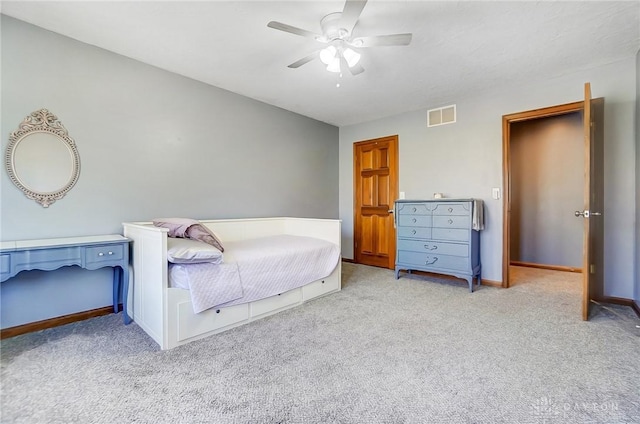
(41, 159)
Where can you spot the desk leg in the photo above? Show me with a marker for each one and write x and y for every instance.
(125, 294)
(117, 280)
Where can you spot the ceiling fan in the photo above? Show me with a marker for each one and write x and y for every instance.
(341, 51)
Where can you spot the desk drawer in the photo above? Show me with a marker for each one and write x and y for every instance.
(452, 209)
(5, 265)
(104, 254)
(425, 261)
(453, 234)
(452, 221)
(454, 249)
(414, 220)
(414, 232)
(413, 209)
(42, 257)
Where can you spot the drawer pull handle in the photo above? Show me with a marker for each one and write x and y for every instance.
(415, 209)
(414, 220)
(432, 262)
(413, 231)
(100, 254)
(450, 210)
(451, 221)
(111, 253)
(426, 246)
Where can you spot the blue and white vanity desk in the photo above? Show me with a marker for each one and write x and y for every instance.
(89, 252)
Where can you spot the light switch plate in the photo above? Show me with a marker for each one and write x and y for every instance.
(402, 194)
(495, 193)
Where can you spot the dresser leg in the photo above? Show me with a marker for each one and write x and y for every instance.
(470, 281)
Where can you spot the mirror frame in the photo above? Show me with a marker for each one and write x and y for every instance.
(42, 121)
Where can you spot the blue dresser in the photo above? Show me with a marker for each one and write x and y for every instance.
(438, 236)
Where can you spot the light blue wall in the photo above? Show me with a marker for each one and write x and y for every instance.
(465, 159)
(152, 144)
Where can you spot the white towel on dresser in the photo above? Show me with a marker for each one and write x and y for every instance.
(477, 219)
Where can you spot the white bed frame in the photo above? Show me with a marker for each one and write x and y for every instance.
(166, 314)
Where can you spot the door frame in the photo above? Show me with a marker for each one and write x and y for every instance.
(507, 120)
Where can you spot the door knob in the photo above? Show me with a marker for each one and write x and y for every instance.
(586, 213)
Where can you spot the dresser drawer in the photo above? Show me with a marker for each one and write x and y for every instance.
(104, 254)
(414, 220)
(413, 209)
(453, 234)
(441, 248)
(414, 232)
(452, 209)
(452, 221)
(429, 260)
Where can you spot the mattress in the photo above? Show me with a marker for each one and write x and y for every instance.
(255, 269)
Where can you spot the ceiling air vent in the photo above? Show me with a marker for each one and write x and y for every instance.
(441, 116)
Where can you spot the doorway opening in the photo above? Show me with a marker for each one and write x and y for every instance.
(543, 184)
(547, 180)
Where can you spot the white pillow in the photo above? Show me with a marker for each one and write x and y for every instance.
(187, 251)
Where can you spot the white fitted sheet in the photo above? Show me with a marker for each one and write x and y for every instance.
(255, 269)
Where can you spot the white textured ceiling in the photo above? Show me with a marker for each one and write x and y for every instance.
(457, 47)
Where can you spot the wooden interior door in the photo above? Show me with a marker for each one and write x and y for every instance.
(593, 251)
(376, 188)
(592, 213)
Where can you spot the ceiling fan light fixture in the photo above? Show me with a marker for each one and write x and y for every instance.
(351, 57)
(334, 66)
(328, 55)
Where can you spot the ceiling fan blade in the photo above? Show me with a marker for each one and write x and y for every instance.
(383, 40)
(304, 60)
(351, 14)
(354, 70)
(293, 30)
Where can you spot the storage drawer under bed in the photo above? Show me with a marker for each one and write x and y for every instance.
(191, 325)
(274, 303)
(321, 287)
